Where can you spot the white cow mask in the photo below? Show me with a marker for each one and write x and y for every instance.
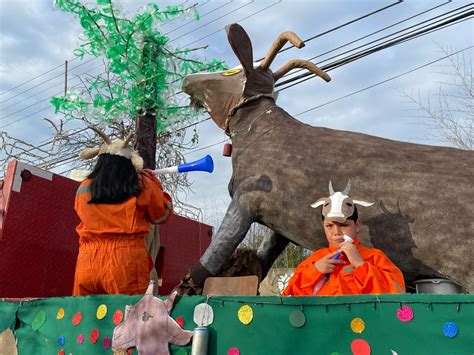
(338, 207)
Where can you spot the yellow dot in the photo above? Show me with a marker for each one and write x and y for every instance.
(101, 311)
(357, 325)
(60, 313)
(245, 314)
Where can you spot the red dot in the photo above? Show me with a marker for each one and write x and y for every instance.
(117, 317)
(61, 352)
(106, 342)
(233, 351)
(180, 321)
(77, 318)
(80, 338)
(360, 347)
(94, 336)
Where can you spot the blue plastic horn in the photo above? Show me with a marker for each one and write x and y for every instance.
(204, 164)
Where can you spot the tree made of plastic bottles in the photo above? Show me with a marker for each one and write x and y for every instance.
(143, 75)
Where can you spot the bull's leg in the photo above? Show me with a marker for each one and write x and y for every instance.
(232, 231)
(269, 251)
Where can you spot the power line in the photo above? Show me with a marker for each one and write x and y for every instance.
(373, 33)
(398, 2)
(382, 82)
(75, 58)
(240, 20)
(361, 54)
(99, 57)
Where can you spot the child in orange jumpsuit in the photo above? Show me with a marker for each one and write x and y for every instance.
(115, 205)
(345, 267)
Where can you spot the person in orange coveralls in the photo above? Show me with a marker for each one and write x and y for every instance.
(115, 205)
(345, 267)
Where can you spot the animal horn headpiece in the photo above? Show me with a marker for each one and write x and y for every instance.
(116, 147)
(339, 206)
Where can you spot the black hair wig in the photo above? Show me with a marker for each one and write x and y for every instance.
(114, 179)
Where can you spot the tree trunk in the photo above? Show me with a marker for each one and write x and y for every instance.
(145, 142)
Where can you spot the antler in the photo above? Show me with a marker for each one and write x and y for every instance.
(299, 63)
(278, 44)
(128, 138)
(102, 134)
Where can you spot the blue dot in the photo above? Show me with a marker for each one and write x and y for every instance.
(450, 329)
(61, 340)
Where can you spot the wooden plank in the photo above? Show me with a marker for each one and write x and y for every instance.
(238, 285)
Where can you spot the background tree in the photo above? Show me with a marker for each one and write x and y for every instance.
(449, 113)
(139, 88)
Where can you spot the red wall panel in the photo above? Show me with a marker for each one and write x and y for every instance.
(38, 240)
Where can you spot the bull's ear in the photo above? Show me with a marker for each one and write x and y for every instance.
(363, 203)
(241, 45)
(319, 202)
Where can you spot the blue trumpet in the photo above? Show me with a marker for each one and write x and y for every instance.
(204, 164)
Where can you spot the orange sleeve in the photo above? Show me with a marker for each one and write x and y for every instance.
(157, 203)
(306, 276)
(378, 275)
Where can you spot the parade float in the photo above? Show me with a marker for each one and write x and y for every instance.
(280, 166)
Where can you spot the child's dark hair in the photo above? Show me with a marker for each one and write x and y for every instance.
(114, 179)
(354, 216)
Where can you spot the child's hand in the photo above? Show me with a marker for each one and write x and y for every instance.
(352, 254)
(327, 264)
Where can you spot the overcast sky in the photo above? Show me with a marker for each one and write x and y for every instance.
(35, 38)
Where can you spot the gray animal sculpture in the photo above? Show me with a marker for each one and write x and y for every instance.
(281, 166)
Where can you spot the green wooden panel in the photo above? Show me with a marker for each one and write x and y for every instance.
(327, 328)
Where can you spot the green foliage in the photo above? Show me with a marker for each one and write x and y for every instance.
(145, 72)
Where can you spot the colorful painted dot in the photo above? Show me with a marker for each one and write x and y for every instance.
(180, 321)
(101, 311)
(357, 325)
(39, 320)
(405, 314)
(245, 314)
(80, 338)
(360, 347)
(77, 318)
(450, 329)
(61, 352)
(94, 336)
(129, 351)
(233, 351)
(60, 313)
(117, 317)
(61, 340)
(297, 319)
(106, 342)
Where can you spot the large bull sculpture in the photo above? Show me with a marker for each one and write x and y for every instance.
(281, 166)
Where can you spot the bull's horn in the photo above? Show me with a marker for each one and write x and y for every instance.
(363, 203)
(102, 134)
(331, 190)
(319, 202)
(128, 138)
(348, 188)
(298, 63)
(278, 44)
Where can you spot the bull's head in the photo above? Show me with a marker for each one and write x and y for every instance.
(339, 206)
(222, 93)
(115, 147)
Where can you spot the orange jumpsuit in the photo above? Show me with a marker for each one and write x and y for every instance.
(112, 255)
(377, 275)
